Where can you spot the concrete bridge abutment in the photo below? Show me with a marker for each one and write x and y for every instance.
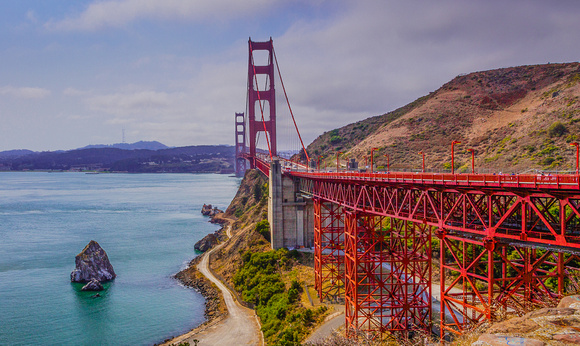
(291, 215)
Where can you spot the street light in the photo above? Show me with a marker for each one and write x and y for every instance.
(577, 156)
(318, 162)
(372, 149)
(472, 161)
(453, 156)
(422, 153)
(387, 156)
(337, 167)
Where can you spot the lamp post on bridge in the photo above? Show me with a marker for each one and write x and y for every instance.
(318, 162)
(423, 166)
(577, 155)
(472, 160)
(387, 156)
(337, 163)
(453, 156)
(372, 150)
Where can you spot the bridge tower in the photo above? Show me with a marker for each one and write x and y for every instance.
(261, 103)
(240, 144)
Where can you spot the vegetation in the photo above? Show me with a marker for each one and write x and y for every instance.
(284, 320)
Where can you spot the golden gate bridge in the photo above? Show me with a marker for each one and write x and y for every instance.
(504, 243)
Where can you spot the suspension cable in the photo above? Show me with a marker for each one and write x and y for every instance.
(290, 108)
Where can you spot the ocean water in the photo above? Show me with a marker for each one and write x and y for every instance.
(147, 224)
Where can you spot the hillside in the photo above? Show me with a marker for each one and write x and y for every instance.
(192, 159)
(516, 119)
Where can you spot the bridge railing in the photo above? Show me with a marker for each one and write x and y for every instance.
(481, 180)
(536, 181)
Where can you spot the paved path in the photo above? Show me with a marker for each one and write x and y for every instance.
(326, 328)
(239, 328)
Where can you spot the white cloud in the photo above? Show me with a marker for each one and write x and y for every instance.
(24, 92)
(118, 13)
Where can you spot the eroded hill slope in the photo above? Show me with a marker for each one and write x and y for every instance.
(516, 119)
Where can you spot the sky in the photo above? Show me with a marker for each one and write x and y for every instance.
(74, 73)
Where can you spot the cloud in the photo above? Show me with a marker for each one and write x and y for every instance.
(130, 103)
(118, 13)
(24, 92)
(372, 57)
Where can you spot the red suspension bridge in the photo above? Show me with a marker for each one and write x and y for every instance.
(503, 243)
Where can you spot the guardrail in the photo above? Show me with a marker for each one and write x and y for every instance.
(535, 181)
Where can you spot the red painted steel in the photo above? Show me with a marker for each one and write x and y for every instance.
(387, 276)
(240, 144)
(264, 98)
(328, 250)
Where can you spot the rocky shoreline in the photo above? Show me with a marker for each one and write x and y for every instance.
(214, 304)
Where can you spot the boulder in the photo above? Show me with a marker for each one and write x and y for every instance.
(570, 302)
(92, 263)
(206, 243)
(93, 285)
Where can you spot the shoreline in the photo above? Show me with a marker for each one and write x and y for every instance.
(214, 306)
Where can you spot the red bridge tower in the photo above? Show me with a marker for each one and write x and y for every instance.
(262, 118)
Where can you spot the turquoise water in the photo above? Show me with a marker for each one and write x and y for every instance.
(147, 224)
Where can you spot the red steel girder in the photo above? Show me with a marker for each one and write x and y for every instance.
(328, 250)
(484, 280)
(387, 275)
(539, 218)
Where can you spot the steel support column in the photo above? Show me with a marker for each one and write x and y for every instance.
(328, 250)
(387, 276)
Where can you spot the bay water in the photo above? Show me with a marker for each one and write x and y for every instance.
(147, 224)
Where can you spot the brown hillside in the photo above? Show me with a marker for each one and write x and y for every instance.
(516, 119)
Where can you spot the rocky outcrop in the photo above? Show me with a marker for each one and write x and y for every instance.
(206, 243)
(210, 211)
(545, 326)
(92, 263)
(93, 285)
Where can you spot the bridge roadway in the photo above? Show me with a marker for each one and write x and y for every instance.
(489, 227)
(497, 207)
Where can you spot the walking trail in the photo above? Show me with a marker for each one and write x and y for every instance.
(240, 327)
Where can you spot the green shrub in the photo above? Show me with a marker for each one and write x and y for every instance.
(263, 227)
(557, 129)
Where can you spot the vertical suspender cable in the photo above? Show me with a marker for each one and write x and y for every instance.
(290, 108)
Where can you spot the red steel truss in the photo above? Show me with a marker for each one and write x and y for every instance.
(502, 250)
(387, 276)
(486, 280)
(328, 250)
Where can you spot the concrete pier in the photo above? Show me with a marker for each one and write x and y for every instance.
(291, 216)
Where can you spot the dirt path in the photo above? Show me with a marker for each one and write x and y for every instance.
(240, 327)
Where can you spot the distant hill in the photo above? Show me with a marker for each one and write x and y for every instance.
(149, 145)
(192, 159)
(516, 119)
(12, 154)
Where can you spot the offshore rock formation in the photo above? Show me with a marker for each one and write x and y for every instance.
(208, 210)
(92, 263)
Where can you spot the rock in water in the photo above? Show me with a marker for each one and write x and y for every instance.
(93, 285)
(92, 263)
(206, 243)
